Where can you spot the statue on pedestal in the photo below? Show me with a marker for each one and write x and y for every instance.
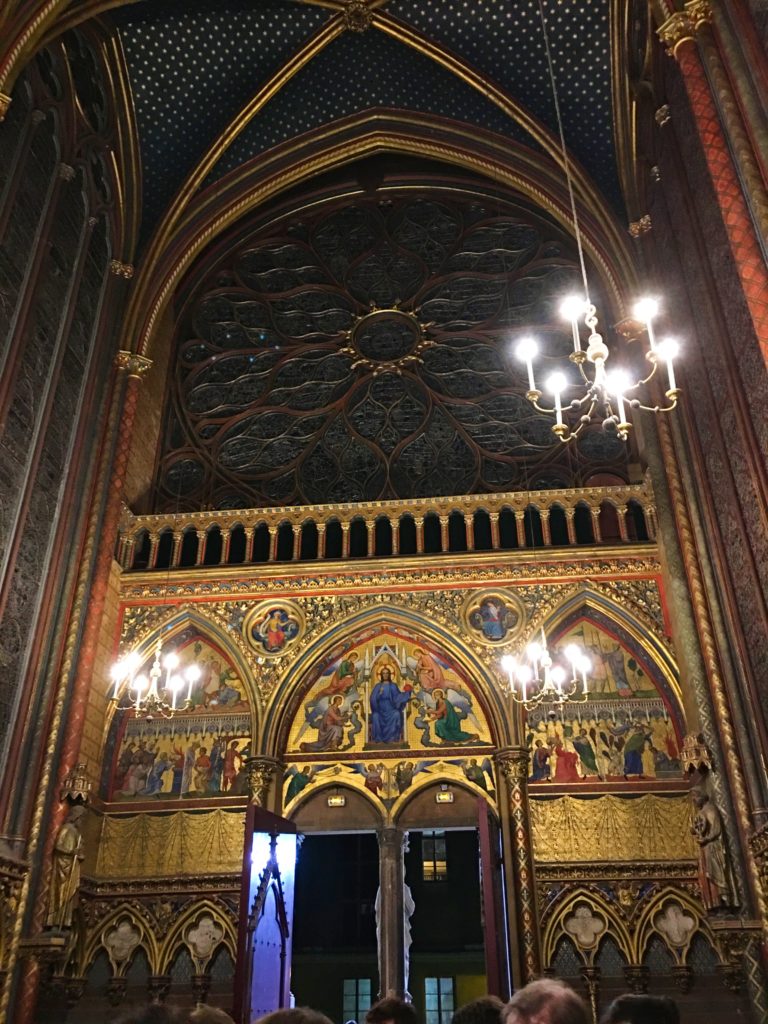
(65, 872)
(718, 891)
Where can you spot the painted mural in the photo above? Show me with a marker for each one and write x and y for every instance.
(493, 616)
(388, 780)
(272, 627)
(388, 692)
(624, 732)
(198, 753)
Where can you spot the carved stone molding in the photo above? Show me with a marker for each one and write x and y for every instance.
(638, 228)
(136, 365)
(676, 30)
(699, 11)
(513, 763)
(261, 771)
(120, 269)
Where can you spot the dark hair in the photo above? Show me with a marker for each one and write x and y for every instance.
(153, 1013)
(294, 1015)
(562, 1004)
(642, 1010)
(393, 1009)
(485, 1010)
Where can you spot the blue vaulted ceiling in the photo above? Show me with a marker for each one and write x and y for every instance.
(194, 64)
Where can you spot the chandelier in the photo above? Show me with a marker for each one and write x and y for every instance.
(152, 695)
(594, 394)
(536, 679)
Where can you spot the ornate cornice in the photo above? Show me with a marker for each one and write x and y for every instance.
(699, 12)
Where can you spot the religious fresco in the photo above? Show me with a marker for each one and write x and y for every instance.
(387, 779)
(624, 732)
(198, 752)
(272, 627)
(493, 616)
(388, 691)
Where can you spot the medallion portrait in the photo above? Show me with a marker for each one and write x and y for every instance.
(271, 627)
(494, 617)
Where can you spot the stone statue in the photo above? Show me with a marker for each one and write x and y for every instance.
(65, 874)
(715, 877)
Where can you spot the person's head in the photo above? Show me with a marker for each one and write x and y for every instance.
(485, 1010)
(385, 675)
(546, 1001)
(294, 1015)
(632, 1009)
(203, 1014)
(391, 1011)
(338, 700)
(438, 694)
(153, 1013)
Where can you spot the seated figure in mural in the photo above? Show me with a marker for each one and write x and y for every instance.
(330, 730)
(342, 680)
(447, 721)
(388, 703)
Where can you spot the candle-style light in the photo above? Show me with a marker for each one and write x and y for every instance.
(534, 678)
(156, 693)
(595, 400)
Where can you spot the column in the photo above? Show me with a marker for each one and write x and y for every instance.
(296, 541)
(370, 527)
(513, 764)
(202, 537)
(389, 921)
(520, 527)
(178, 538)
(395, 523)
(272, 543)
(570, 524)
(621, 512)
(226, 538)
(546, 533)
(444, 544)
(595, 513)
(129, 545)
(469, 526)
(678, 33)
(154, 543)
(345, 540)
(494, 517)
(250, 538)
(321, 540)
(419, 524)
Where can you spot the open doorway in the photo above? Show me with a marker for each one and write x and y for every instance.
(447, 956)
(335, 964)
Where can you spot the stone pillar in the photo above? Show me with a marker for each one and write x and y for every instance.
(444, 540)
(296, 541)
(272, 543)
(226, 540)
(396, 537)
(264, 781)
(513, 767)
(469, 526)
(370, 527)
(678, 33)
(621, 512)
(419, 524)
(321, 540)
(154, 544)
(389, 917)
(250, 539)
(546, 533)
(570, 524)
(520, 527)
(345, 540)
(178, 538)
(494, 517)
(202, 538)
(596, 531)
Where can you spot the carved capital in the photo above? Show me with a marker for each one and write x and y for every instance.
(260, 772)
(513, 763)
(357, 16)
(76, 786)
(637, 977)
(136, 365)
(392, 840)
(201, 984)
(121, 269)
(116, 987)
(675, 31)
(158, 987)
(5, 102)
(683, 977)
(640, 227)
(733, 937)
(699, 11)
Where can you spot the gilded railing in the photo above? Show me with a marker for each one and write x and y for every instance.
(484, 522)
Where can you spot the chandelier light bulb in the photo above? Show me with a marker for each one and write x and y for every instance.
(534, 651)
(508, 664)
(140, 683)
(668, 348)
(572, 307)
(646, 309)
(193, 674)
(557, 383)
(524, 674)
(171, 661)
(557, 675)
(526, 352)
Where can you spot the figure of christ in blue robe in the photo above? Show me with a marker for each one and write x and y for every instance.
(387, 704)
